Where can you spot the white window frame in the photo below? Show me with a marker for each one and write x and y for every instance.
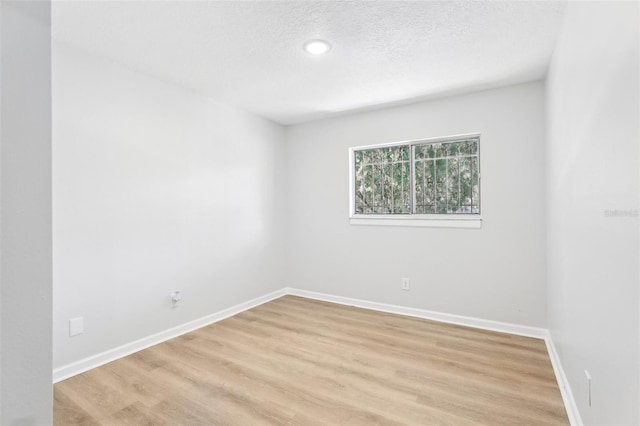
(473, 220)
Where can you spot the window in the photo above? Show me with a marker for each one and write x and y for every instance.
(431, 182)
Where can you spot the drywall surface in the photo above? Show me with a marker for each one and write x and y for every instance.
(495, 273)
(593, 133)
(250, 53)
(155, 189)
(25, 213)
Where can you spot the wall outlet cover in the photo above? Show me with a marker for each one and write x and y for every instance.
(76, 326)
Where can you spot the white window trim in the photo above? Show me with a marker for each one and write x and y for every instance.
(410, 220)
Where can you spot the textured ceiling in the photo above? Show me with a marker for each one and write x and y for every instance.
(249, 54)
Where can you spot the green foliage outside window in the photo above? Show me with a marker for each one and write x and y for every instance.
(427, 178)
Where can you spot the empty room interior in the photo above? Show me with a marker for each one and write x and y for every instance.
(320, 212)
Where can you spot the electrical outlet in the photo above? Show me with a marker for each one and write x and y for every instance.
(76, 326)
(406, 284)
(176, 297)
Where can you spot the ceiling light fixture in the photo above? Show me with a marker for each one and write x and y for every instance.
(317, 47)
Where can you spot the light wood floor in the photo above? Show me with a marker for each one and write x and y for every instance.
(299, 361)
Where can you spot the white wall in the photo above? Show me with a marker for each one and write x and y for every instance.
(155, 189)
(593, 136)
(495, 273)
(25, 213)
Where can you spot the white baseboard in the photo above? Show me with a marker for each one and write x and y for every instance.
(503, 327)
(520, 330)
(97, 360)
(102, 358)
(563, 383)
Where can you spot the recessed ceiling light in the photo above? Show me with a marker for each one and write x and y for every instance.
(317, 47)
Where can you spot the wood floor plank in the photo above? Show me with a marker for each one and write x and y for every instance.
(94, 395)
(68, 412)
(137, 414)
(296, 361)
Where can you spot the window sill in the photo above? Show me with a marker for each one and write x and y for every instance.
(435, 221)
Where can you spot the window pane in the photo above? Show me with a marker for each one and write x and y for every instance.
(452, 149)
(398, 179)
(475, 194)
(466, 185)
(383, 180)
(359, 182)
(446, 179)
(468, 147)
(404, 151)
(376, 185)
(430, 151)
(406, 187)
(366, 157)
(472, 146)
(440, 178)
(419, 186)
(387, 187)
(429, 187)
(367, 193)
(453, 190)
